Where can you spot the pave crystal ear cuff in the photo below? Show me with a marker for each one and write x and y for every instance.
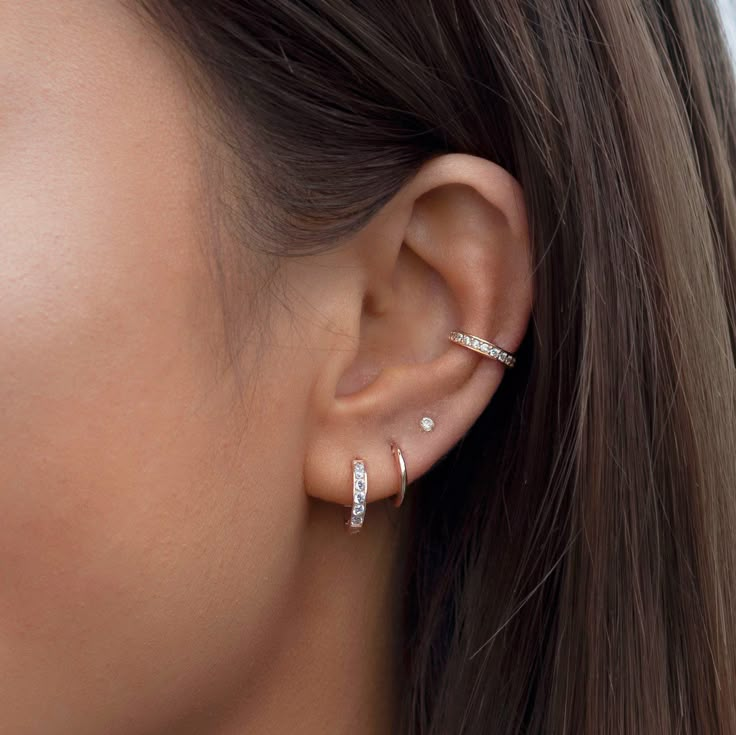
(484, 347)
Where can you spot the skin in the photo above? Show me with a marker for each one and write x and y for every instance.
(172, 554)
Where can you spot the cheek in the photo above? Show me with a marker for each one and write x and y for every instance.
(97, 370)
(145, 555)
(140, 502)
(139, 537)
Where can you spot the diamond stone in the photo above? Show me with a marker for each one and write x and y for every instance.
(494, 352)
(467, 340)
(427, 424)
(358, 509)
(359, 497)
(476, 343)
(360, 484)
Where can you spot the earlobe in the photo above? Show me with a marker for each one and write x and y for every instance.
(453, 267)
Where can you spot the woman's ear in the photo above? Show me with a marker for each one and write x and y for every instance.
(450, 251)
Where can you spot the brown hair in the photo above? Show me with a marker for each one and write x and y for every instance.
(572, 564)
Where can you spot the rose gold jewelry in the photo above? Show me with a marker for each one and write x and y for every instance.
(484, 347)
(354, 522)
(399, 496)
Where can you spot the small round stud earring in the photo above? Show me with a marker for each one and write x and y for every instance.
(427, 424)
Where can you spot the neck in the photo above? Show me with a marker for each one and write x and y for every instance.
(334, 668)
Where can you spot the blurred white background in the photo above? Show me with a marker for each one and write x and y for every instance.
(728, 9)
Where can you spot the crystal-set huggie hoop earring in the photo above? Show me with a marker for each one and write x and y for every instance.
(484, 347)
(354, 522)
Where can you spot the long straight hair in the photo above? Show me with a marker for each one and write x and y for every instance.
(572, 561)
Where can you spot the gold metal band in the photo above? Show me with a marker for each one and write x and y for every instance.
(484, 347)
(399, 497)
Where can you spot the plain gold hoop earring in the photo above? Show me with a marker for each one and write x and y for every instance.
(399, 457)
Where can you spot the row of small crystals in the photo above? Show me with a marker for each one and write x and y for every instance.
(482, 346)
(360, 488)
